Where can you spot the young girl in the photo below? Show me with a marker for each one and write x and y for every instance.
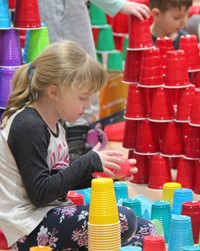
(35, 174)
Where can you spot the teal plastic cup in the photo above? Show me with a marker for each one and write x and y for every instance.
(161, 210)
(134, 204)
(121, 190)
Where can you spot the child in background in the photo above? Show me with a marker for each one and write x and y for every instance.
(35, 174)
(169, 18)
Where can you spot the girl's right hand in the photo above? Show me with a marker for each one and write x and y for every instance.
(109, 159)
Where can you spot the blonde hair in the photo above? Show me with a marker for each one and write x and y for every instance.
(64, 64)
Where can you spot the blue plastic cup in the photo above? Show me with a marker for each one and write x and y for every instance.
(131, 248)
(180, 233)
(5, 21)
(121, 190)
(191, 248)
(181, 195)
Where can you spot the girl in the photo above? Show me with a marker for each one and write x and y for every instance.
(35, 174)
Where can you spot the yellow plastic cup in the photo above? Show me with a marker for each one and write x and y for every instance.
(168, 191)
(40, 248)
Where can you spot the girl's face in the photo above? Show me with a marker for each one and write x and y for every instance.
(171, 21)
(72, 103)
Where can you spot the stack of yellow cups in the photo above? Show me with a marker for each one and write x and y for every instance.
(168, 191)
(103, 224)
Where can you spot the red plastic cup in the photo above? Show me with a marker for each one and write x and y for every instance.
(76, 198)
(189, 43)
(186, 173)
(195, 79)
(194, 9)
(3, 241)
(27, 15)
(115, 132)
(120, 23)
(11, 4)
(95, 32)
(154, 242)
(123, 172)
(195, 108)
(159, 171)
(142, 175)
(151, 73)
(119, 42)
(192, 143)
(135, 107)
(192, 209)
(172, 145)
(197, 178)
(162, 108)
(184, 104)
(130, 133)
(176, 70)
(165, 44)
(132, 66)
(145, 140)
(139, 33)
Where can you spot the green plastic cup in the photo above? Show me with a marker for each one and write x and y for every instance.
(115, 61)
(105, 40)
(38, 41)
(97, 16)
(125, 46)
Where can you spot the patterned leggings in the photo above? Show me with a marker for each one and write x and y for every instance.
(65, 228)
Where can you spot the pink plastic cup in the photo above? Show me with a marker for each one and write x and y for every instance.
(189, 43)
(139, 33)
(159, 171)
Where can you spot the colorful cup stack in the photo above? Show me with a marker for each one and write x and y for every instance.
(103, 224)
(108, 49)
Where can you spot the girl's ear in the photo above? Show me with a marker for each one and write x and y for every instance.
(155, 12)
(52, 92)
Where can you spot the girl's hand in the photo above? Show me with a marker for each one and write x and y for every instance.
(139, 10)
(111, 160)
